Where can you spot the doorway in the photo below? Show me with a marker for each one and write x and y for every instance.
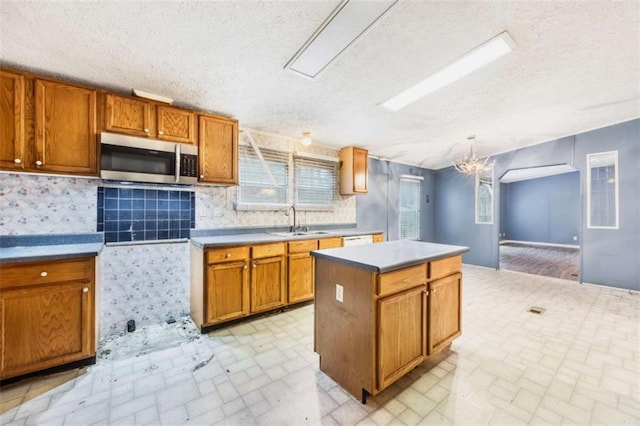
(540, 217)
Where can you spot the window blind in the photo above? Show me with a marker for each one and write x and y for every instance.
(409, 209)
(316, 182)
(255, 185)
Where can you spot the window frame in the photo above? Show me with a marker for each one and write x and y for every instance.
(418, 211)
(291, 180)
(244, 205)
(329, 163)
(616, 190)
(476, 198)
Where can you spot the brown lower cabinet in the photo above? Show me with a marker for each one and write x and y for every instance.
(229, 283)
(386, 323)
(268, 280)
(47, 314)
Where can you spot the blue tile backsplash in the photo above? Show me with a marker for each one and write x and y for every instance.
(126, 214)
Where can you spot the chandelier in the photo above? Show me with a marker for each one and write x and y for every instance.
(472, 165)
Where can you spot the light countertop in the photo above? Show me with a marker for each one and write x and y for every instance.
(389, 256)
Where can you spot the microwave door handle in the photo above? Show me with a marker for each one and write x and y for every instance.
(177, 162)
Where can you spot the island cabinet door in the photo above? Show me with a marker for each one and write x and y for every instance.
(227, 292)
(402, 334)
(268, 289)
(444, 312)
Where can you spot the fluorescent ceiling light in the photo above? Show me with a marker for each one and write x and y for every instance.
(346, 24)
(475, 59)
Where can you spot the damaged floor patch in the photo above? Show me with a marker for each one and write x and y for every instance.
(148, 339)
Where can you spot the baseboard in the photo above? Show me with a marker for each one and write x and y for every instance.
(533, 243)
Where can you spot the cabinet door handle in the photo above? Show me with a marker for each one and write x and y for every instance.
(201, 176)
(17, 161)
(44, 273)
(228, 254)
(245, 266)
(160, 132)
(85, 290)
(146, 130)
(253, 264)
(426, 293)
(39, 163)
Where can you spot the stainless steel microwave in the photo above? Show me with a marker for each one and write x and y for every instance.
(128, 158)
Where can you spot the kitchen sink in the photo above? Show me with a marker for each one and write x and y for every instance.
(299, 233)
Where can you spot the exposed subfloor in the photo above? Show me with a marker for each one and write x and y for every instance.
(558, 262)
(578, 362)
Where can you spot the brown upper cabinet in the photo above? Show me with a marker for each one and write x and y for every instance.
(128, 115)
(65, 124)
(354, 177)
(218, 149)
(175, 124)
(144, 118)
(51, 126)
(12, 105)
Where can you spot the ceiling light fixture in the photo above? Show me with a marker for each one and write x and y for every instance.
(349, 21)
(472, 165)
(485, 53)
(306, 138)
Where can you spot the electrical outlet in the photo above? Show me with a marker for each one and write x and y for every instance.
(339, 293)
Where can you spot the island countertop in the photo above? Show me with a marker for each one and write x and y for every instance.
(389, 256)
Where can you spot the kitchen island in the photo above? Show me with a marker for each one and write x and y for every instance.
(382, 309)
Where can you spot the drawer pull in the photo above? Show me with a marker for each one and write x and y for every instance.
(44, 273)
(17, 161)
(38, 163)
(146, 130)
(228, 254)
(85, 290)
(160, 132)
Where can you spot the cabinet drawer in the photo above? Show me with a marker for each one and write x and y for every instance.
(393, 282)
(227, 254)
(333, 242)
(268, 250)
(302, 246)
(443, 267)
(34, 273)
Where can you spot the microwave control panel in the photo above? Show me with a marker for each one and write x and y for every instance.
(188, 165)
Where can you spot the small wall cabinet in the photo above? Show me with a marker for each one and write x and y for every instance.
(140, 117)
(218, 150)
(354, 176)
(47, 314)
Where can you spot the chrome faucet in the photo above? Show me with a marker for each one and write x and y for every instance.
(293, 228)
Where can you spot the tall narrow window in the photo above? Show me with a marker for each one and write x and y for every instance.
(263, 184)
(484, 197)
(410, 207)
(602, 190)
(315, 182)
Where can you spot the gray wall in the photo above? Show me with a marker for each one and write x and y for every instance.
(544, 210)
(379, 208)
(608, 257)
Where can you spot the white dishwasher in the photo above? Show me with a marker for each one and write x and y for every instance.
(357, 240)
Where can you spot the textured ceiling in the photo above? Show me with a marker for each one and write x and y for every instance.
(576, 67)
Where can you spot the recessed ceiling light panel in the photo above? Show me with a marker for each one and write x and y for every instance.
(478, 57)
(346, 24)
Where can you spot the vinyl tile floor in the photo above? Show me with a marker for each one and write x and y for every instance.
(576, 363)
